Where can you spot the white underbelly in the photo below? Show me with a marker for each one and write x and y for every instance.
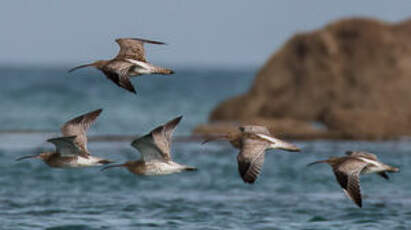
(138, 71)
(140, 68)
(162, 168)
(372, 167)
(85, 162)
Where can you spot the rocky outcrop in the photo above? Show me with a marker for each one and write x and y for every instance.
(353, 77)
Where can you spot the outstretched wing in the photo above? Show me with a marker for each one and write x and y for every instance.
(251, 158)
(162, 136)
(66, 146)
(117, 71)
(148, 149)
(133, 48)
(157, 144)
(254, 129)
(367, 155)
(348, 176)
(78, 127)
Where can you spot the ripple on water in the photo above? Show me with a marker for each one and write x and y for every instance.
(71, 227)
(36, 197)
(317, 219)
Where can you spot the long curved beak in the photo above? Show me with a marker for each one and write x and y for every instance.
(214, 138)
(80, 66)
(317, 162)
(113, 166)
(27, 157)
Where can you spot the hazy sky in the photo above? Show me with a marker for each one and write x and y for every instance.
(212, 32)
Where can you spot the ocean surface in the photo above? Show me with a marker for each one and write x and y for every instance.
(34, 102)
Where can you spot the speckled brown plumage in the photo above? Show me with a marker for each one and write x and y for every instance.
(130, 61)
(78, 127)
(253, 141)
(155, 150)
(71, 149)
(347, 170)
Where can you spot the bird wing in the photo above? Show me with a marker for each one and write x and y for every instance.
(78, 127)
(67, 146)
(133, 48)
(148, 149)
(117, 71)
(251, 158)
(162, 136)
(254, 129)
(348, 176)
(367, 155)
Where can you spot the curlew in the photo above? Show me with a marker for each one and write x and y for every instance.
(253, 141)
(130, 61)
(71, 149)
(347, 171)
(155, 150)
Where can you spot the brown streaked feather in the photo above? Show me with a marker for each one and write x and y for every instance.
(133, 48)
(367, 155)
(120, 78)
(162, 136)
(251, 158)
(254, 129)
(78, 127)
(348, 176)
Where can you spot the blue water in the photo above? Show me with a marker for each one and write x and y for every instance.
(288, 195)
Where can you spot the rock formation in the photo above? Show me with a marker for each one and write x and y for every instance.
(353, 77)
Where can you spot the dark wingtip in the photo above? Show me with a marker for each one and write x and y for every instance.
(175, 121)
(144, 40)
(132, 90)
(178, 119)
(248, 181)
(97, 111)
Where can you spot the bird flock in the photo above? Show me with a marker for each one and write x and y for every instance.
(252, 141)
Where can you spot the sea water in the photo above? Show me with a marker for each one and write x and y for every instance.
(287, 195)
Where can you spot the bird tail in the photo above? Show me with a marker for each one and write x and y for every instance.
(392, 169)
(189, 168)
(163, 71)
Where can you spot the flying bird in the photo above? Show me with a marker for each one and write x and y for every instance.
(155, 151)
(253, 141)
(347, 170)
(130, 61)
(71, 149)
